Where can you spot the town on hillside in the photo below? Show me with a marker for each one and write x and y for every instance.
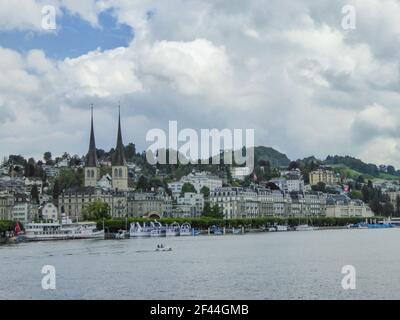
(121, 183)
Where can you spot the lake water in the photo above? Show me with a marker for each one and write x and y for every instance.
(291, 265)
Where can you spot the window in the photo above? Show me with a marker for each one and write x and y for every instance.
(120, 172)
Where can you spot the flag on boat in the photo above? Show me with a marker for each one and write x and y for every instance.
(17, 228)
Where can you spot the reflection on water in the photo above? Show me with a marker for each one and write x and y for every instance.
(292, 265)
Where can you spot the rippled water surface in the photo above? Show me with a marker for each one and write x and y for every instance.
(291, 265)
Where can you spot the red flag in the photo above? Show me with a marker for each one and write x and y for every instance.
(17, 228)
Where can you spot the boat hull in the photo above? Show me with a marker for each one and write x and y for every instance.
(52, 237)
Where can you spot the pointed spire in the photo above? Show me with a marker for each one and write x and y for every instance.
(119, 156)
(91, 158)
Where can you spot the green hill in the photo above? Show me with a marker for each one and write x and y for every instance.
(275, 158)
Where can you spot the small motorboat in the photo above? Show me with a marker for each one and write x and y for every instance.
(121, 234)
(161, 247)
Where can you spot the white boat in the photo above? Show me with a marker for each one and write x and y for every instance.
(121, 234)
(136, 230)
(281, 228)
(163, 248)
(185, 230)
(304, 227)
(64, 230)
(173, 230)
(271, 229)
(158, 230)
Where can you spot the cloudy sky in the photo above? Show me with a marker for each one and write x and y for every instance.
(285, 68)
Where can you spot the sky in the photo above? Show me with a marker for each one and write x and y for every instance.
(287, 69)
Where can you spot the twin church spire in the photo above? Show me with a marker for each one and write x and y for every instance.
(119, 168)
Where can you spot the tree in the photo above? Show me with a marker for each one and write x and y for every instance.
(388, 209)
(56, 190)
(47, 156)
(320, 186)
(188, 187)
(205, 191)
(96, 210)
(143, 184)
(398, 206)
(391, 170)
(293, 165)
(35, 194)
(217, 212)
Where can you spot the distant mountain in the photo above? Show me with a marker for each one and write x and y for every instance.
(275, 158)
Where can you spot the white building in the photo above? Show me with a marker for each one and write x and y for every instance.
(21, 212)
(49, 212)
(290, 181)
(198, 180)
(194, 201)
(239, 173)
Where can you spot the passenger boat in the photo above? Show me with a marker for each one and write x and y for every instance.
(137, 231)
(173, 230)
(64, 230)
(185, 230)
(304, 227)
(157, 230)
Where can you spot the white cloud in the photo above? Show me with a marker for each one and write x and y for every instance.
(284, 68)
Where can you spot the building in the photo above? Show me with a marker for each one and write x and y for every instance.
(326, 176)
(119, 167)
(290, 181)
(119, 172)
(149, 204)
(198, 180)
(6, 205)
(195, 202)
(240, 173)
(21, 211)
(92, 170)
(49, 212)
(340, 206)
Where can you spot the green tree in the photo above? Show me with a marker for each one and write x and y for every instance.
(47, 156)
(205, 191)
(35, 194)
(96, 210)
(188, 187)
(388, 209)
(56, 190)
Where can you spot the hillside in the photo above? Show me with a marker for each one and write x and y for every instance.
(275, 158)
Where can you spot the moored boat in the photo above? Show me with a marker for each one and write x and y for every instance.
(64, 230)
(185, 230)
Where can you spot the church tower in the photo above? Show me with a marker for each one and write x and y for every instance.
(119, 168)
(92, 171)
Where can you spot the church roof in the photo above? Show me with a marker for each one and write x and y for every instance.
(119, 155)
(91, 158)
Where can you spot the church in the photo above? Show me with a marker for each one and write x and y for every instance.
(119, 170)
(122, 200)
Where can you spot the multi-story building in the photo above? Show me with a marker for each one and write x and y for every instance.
(21, 211)
(262, 202)
(49, 212)
(148, 205)
(290, 181)
(6, 205)
(342, 206)
(325, 176)
(198, 180)
(195, 202)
